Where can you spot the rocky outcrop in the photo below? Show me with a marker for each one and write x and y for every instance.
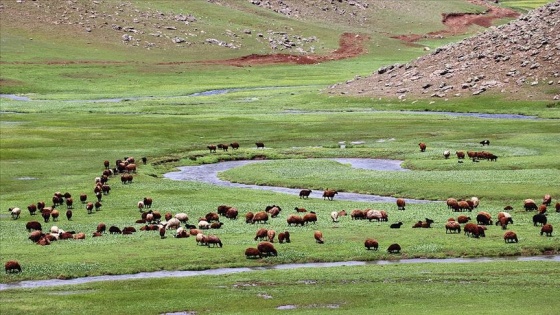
(511, 59)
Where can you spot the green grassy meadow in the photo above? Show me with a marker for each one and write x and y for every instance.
(97, 99)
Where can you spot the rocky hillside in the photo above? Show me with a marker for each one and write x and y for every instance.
(520, 60)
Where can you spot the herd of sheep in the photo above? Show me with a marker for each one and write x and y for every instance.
(153, 220)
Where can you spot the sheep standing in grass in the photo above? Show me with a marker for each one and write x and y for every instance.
(213, 241)
(547, 229)
(15, 212)
(284, 237)
(318, 235)
(396, 225)
(267, 249)
(510, 237)
(252, 252)
(371, 243)
(401, 203)
(12, 266)
(452, 227)
(394, 249)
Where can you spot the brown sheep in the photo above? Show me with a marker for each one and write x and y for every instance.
(12, 266)
(318, 235)
(201, 239)
(267, 249)
(232, 213)
(270, 235)
(452, 227)
(542, 208)
(547, 229)
(460, 155)
(378, 215)
(214, 241)
(46, 214)
(504, 219)
(424, 224)
(96, 234)
(329, 194)
(508, 208)
(260, 217)
(89, 207)
(422, 146)
(300, 209)
(222, 209)
(33, 225)
(304, 193)
(394, 249)
(547, 200)
(310, 217)
(234, 145)
(295, 220)
(474, 230)
(114, 230)
(261, 234)
(557, 207)
(358, 214)
(249, 217)
(65, 236)
(216, 225)
(484, 218)
(510, 237)
(284, 237)
(55, 214)
(101, 228)
(162, 232)
(452, 203)
(529, 204)
(35, 236)
(463, 219)
(128, 230)
(401, 203)
(69, 215)
(371, 243)
(252, 252)
(464, 205)
(32, 208)
(212, 148)
(274, 212)
(212, 217)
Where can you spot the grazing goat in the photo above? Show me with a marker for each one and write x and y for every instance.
(371, 243)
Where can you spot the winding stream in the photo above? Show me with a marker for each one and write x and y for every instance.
(224, 271)
(208, 173)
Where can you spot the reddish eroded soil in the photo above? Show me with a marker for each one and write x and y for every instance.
(352, 45)
(458, 23)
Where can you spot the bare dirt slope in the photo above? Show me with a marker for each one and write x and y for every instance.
(520, 59)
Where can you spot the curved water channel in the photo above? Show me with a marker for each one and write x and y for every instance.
(15, 97)
(208, 173)
(224, 271)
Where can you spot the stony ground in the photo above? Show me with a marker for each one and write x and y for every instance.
(511, 59)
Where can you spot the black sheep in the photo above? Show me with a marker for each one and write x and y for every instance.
(396, 225)
(539, 219)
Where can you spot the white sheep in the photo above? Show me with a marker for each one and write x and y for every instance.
(202, 224)
(15, 212)
(334, 216)
(182, 217)
(173, 223)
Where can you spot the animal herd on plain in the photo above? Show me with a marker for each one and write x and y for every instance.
(153, 220)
